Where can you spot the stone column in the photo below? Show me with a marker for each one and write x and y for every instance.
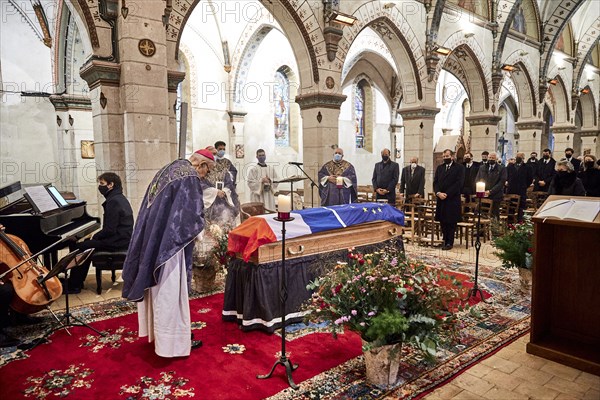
(589, 141)
(174, 78)
(483, 134)
(530, 137)
(418, 138)
(563, 138)
(397, 143)
(320, 130)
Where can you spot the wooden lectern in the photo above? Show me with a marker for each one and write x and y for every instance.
(565, 302)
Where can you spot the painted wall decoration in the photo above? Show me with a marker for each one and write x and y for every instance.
(359, 116)
(87, 149)
(281, 101)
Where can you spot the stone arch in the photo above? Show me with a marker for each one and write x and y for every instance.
(585, 47)
(465, 62)
(561, 102)
(588, 109)
(524, 83)
(375, 62)
(193, 73)
(552, 29)
(298, 24)
(390, 24)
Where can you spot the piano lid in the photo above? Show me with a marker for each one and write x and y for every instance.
(10, 189)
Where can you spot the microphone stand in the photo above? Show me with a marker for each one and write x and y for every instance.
(312, 186)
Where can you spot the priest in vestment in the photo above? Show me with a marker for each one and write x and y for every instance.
(260, 182)
(223, 163)
(157, 269)
(330, 194)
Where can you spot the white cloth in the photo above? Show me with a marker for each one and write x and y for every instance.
(258, 191)
(164, 314)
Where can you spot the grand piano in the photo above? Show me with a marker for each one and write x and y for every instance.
(40, 230)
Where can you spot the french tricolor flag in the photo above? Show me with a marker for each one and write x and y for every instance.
(263, 229)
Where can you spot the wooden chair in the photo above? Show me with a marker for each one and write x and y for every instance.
(411, 220)
(428, 228)
(253, 208)
(365, 193)
(509, 212)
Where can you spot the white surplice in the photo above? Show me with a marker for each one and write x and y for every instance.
(258, 191)
(164, 314)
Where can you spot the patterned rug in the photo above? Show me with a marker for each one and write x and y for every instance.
(329, 368)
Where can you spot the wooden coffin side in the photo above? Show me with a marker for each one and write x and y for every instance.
(357, 235)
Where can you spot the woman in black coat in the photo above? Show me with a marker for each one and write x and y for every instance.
(590, 176)
(566, 182)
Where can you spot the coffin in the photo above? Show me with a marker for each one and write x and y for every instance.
(252, 288)
(326, 242)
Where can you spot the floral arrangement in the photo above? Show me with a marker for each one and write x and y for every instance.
(211, 250)
(387, 299)
(515, 247)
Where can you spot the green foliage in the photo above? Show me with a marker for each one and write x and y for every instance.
(515, 247)
(387, 298)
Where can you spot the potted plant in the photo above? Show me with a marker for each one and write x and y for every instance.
(389, 300)
(210, 255)
(515, 249)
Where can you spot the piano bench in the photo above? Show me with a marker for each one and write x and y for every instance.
(109, 261)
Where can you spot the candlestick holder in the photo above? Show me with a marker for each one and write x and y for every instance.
(475, 289)
(283, 217)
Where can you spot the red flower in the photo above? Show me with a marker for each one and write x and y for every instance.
(222, 260)
(361, 261)
(530, 250)
(231, 254)
(337, 289)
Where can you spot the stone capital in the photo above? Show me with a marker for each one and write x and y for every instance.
(236, 116)
(98, 72)
(589, 132)
(564, 129)
(320, 100)
(530, 125)
(418, 113)
(174, 78)
(481, 120)
(65, 102)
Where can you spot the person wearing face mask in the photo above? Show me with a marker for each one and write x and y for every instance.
(158, 268)
(519, 178)
(412, 181)
(221, 201)
(484, 157)
(447, 183)
(532, 158)
(494, 176)
(117, 227)
(385, 178)
(545, 171)
(260, 181)
(590, 176)
(222, 164)
(566, 182)
(471, 169)
(328, 174)
(569, 156)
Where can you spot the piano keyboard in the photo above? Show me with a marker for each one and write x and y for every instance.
(73, 231)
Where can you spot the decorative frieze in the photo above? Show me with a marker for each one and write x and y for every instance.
(419, 113)
(479, 120)
(174, 78)
(98, 72)
(70, 102)
(320, 100)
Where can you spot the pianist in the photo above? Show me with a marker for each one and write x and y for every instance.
(117, 227)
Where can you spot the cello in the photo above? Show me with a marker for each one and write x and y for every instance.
(25, 274)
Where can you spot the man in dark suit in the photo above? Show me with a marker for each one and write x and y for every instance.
(413, 180)
(520, 177)
(494, 176)
(471, 169)
(385, 178)
(447, 183)
(533, 159)
(545, 172)
(569, 156)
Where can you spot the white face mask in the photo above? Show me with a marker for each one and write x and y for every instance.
(337, 157)
(413, 165)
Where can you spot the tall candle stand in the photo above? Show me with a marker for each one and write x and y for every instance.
(475, 289)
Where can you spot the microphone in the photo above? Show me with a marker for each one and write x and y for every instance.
(295, 163)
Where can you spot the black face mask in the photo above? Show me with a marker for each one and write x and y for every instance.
(519, 160)
(103, 190)
(569, 155)
(447, 160)
(562, 174)
(546, 157)
(467, 160)
(589, 164)
(385, 158)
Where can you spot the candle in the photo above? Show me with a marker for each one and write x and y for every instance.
(284, 203)
(480, 189)
(339, 181)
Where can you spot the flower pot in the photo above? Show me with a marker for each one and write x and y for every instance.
(203, 279)
(383, 363)
(525, 281)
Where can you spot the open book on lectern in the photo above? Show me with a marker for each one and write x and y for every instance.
(581, 210)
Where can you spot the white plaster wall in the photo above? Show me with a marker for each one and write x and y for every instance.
(363, 160)
(449, 101)
(28, 145)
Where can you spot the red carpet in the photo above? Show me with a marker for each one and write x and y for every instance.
(84, 366)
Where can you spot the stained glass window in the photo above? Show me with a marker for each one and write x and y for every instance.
(359, 116)
(281, 100)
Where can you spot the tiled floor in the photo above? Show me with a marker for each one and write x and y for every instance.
(509, 374)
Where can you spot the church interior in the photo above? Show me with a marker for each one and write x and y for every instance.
(129, 86)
